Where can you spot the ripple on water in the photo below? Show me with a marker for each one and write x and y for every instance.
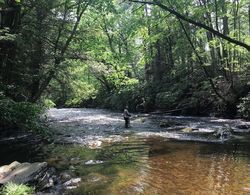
(148, 161)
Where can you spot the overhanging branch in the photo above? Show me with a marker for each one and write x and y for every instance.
(182, 17)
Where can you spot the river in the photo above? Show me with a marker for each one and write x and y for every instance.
(158, 154)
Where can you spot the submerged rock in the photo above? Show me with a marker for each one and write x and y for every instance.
(75, 161)
(243, 126)
(64, 176)
(96, 178)
(242, 129)
(224, 133)
(187, 130)
(93, 162)
(72, 183)
(169, 123)
(93, 144)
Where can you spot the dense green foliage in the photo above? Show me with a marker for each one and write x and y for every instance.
(21, 115)
(17, 189)
(244, 107)
(185, 57)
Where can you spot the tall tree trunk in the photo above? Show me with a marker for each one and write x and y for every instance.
(58, 59)
(249, 19)
(148, 47)
(38, 54)
(9, 18)
(210, 37)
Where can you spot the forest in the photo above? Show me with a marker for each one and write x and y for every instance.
(186, 57)
(179, 58)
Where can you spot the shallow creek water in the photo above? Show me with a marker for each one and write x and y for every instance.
(145, 159)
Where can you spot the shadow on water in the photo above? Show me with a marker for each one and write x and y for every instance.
(239, 149)
(22, 148)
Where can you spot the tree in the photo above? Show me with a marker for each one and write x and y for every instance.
(199, 24)
(45, 36)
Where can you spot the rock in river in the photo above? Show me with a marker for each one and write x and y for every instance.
(22, 172)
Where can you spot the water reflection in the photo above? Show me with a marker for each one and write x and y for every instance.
(154, 165)
(184, 169)
(167, 167)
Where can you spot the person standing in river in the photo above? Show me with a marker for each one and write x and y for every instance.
(126, 116)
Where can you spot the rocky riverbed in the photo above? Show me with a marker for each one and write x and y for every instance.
(92, 152)
(91, 127)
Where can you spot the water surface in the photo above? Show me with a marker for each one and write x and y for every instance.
(145, 159)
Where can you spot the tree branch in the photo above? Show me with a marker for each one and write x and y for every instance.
(182, 17)
(202, 64)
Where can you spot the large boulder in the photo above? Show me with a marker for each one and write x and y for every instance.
(22, 172)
